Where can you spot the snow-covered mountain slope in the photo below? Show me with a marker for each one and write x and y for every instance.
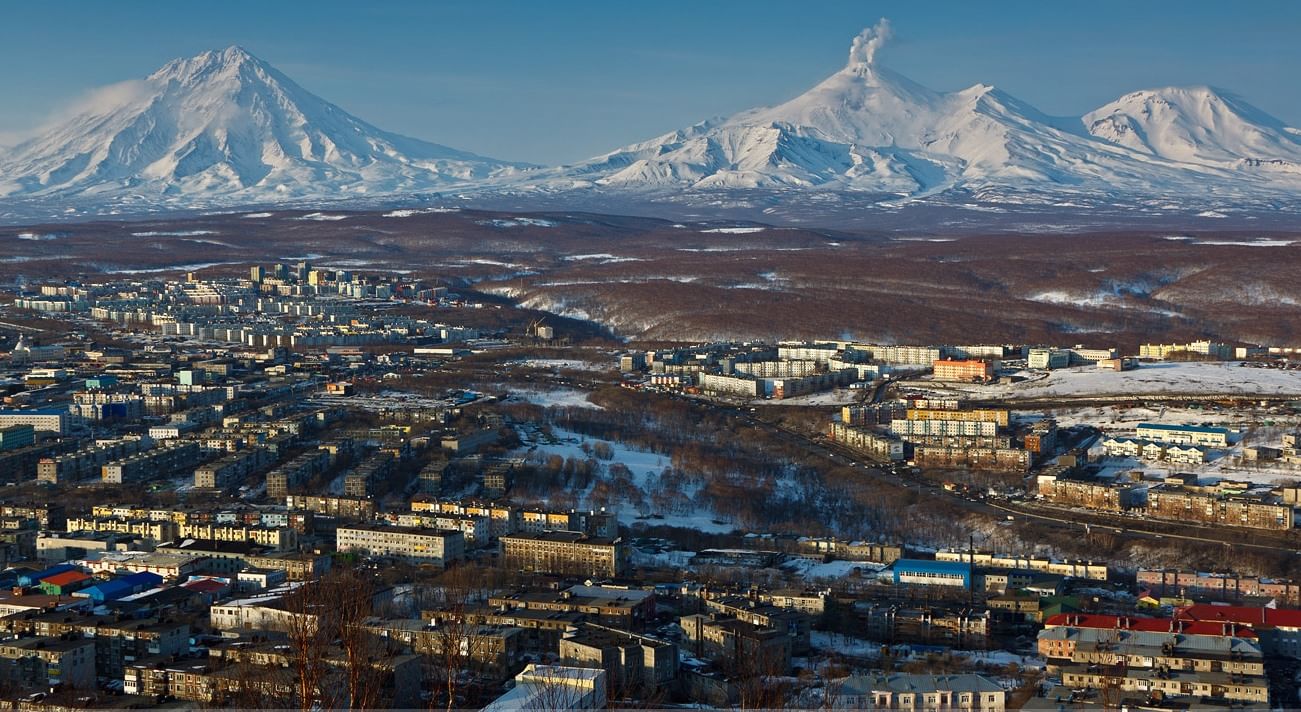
(224, 126)
(1197, 125)
(224, 129)
(866, 128)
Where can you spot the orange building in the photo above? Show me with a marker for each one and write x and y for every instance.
(964, 370)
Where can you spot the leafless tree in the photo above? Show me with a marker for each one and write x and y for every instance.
(555, 688)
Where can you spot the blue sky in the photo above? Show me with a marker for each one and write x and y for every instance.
(554, 82)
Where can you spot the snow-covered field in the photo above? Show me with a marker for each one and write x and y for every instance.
(565, 363)
(828, 571)
(555, 398)
(1115, 420)
(838, 396)
(1230, 377)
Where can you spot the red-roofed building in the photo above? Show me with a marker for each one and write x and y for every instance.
(1186, 626)
(1279, 628)
(64, 583)
(211, 588)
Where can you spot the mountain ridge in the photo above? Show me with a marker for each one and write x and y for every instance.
(224, 122)
(225, 129)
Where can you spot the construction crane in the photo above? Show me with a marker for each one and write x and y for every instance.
(540, 331)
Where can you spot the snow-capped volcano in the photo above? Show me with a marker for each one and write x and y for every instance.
(866, 128)
(226, 127)
(1198, 125)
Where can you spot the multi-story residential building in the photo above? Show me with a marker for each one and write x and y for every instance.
(873, 414)
(491, 649)
(298, 566)
(909, 429)
(84, 463)
(273, 537)
(48, 515)
(150, 531)
(876, 445)
(1204, 435)
(1104, 496)
(1219, 586)
(796, 625)
(1278, 629)
(852, 550)
(50, 420)
(632, 662)
(232, 469)
(1048, 359)
(363, 477)
(955, 625)
(736, 644)
(295, 473)
(40, 663)
(417, 545)
(909, 692)
(1209, 349)
(1042, 437)
(475, 529)
(1169, 501)
(115, 640)
(565, 553)
(502, 517)
(906, 355)
(976, 458)
(362, 508)
(994, 415)
(13, 437)
(163, 460)
(1173, 658)
(1074, 569)
(963, 370)
(624, 608)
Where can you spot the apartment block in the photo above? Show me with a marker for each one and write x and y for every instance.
(963, 370)
(874, 444)
(163, 460)
(565, 553)
(417, 545)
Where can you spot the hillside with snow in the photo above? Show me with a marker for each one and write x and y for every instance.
(223, 127)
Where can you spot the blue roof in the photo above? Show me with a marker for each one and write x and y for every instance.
(932, 566)
(1185, 428)
(121, 586)
(46, 573)
(34, 411)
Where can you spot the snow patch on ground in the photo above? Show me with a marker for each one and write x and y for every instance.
(174, 233)
(516, 222)
(1230, 377)
(602, 257)
(41, 236)
(256, 215)
(555, 398)
(560, 363)
(734, 230)
(644, 469)
(829, 571)
(1257, 242)
(322, 217)
(408, 212)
